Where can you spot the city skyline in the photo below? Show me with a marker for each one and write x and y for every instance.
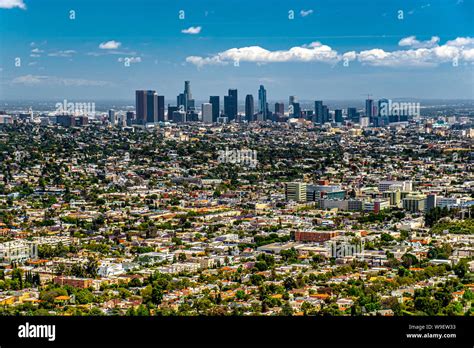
(325, 50)
(217, 162)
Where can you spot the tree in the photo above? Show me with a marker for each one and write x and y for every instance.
(403, 235)
(461, 268)
(48, 296)
(240, 294)
(307, 308)
(92, 267)
(135, 283)
(261, 266)
(146, 293)
(17, 274)
(286, 309)
(156, 295)
(318, 258)
(444, 296)
(386, 238)
(289, 255)
(95, 312)
(142, 311)
(289, 283)
(84, 296)
(409, 260)
(427, 305)
(256, 279)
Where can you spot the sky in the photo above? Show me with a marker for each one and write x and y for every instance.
(326, 50)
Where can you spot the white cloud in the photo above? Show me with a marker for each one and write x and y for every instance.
(36, 50)
(35, 44)
(379, 57)
(9, 4)
(468, 55)
(192, 30)
(29, 79)
(131, 60)
(305, 13)
(418, 53)
(110, 45)
(65, 53)
(461, 41)
(200, 61)
(35, 80)
(314, 52)
(107, 52)
(428, 53)
(411, 41)
(350, 56)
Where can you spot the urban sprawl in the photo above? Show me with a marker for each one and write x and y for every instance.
(197, 210)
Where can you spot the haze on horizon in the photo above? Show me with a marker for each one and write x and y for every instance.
(332, 50)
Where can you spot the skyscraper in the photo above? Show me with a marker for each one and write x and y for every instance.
(130, 117)
(179, 116)
(112, 116)
(171, 110)
(369, 109)
(292, 105)
(318, 112)
(185, 100)
(140, 106)
(279, 109)
(383, 106)
(161, 108)
(147, 106)
(187, 90)
(206, 109)
(262, 102)
(249, 107)
(384, 113)
(338, 116)
(192, 116)
(151, 107)
(214, 100)
(230, 105)
(189, 96)
(182, 101)
(228, 109)
(326, 117)
(296, 109)
(353, 115)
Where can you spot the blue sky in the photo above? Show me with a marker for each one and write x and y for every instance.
(333, 49)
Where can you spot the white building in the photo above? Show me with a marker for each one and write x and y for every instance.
(206, 109)
(295, 191)
(18, 251)
(447, 202)
(107, 269)
(185, 267)
(364, 122)
(390, 185)
(334, 203)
